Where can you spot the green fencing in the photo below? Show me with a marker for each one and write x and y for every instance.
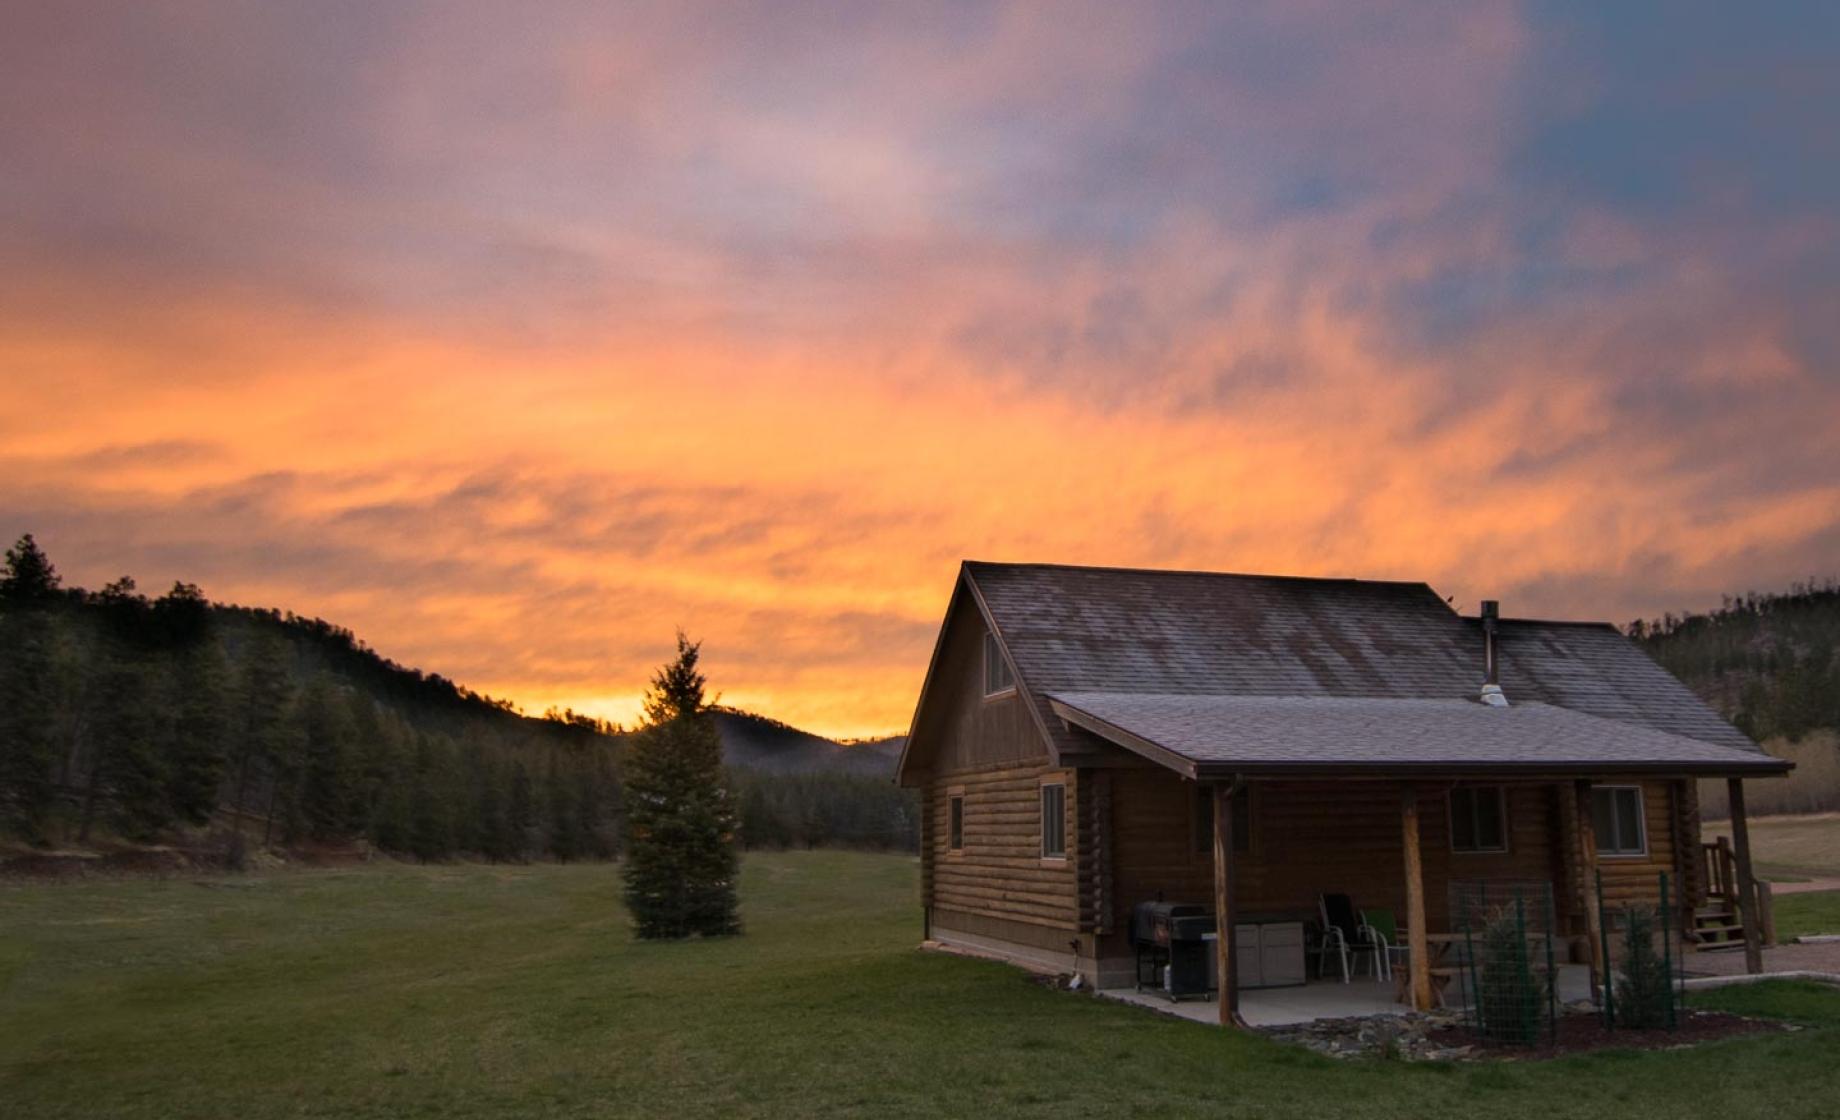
(1507, 965)
(1641, 949)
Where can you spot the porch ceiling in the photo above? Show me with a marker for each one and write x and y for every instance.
(1215, 736)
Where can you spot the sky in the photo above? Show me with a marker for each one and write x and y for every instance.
(515, 337)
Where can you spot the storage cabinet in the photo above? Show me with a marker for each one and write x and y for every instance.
(1269, 954)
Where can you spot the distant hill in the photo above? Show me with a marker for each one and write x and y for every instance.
(159, 720)
(767, 746)
(1766, 662)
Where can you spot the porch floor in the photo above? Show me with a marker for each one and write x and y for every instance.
(1318, 999)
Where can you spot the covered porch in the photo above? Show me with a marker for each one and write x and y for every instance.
(1256, 808)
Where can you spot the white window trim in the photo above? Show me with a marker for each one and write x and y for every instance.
(1450, 811)
(1061, 782)
(1641, 823)
(994, 648)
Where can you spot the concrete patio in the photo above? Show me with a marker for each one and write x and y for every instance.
(1318, 999)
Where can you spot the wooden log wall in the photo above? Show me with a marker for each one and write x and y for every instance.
(1634, 879)
(1314, 837)
(999, 873)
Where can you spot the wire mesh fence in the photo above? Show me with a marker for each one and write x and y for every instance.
(1641, 948)
(1506, 961)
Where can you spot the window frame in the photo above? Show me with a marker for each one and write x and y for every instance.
(1597, 835)
(1202, 834)
(955, 822)
(998, 665)
(1059, 785)
(1501, 813)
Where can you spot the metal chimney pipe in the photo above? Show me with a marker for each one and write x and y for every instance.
(1492, 694)
(1491, 616)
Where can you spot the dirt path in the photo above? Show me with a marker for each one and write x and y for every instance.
(1777, 958)
(1804, 888)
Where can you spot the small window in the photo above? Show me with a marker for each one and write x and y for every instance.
(997, 677)
(1616, 818)
(1054, 821)
(1204, 819)
(955, 834)
(1478, 819)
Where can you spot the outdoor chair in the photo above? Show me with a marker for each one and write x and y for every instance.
(1345, 935)
(1382, 932)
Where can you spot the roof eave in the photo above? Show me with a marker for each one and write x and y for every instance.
(1221, 770)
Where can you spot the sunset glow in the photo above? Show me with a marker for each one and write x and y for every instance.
(515, 338)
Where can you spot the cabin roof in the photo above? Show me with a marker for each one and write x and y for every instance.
(1154, 633)
(1222, 735)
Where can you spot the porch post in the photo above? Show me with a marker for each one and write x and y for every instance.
(1747, 886)
(1586, 844)
(1224, 909)
(1418, 950)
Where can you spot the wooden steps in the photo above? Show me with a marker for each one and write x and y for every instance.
(1716, 927)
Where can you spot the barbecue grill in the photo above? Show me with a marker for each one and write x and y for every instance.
(1170, 940)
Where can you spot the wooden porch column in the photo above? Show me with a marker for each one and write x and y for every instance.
(1586, 843)
(1418, 945)
(1747, 886)
(1224, 908)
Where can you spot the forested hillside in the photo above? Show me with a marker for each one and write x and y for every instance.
(1765, 661)
(125, 717)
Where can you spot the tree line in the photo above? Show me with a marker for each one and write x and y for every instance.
(154, 718)
(1766, 661)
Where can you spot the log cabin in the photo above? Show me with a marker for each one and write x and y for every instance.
(1091, 738)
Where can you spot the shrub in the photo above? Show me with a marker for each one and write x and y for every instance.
(1645, 992)
(1510, 996)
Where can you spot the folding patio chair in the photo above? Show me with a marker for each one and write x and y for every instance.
(1345, 935)
(1382, 932)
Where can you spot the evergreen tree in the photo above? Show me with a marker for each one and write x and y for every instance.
(197, 740)
(28, 721)
(327, 801)
(564, 815)
(265, 722)
(681, 862)
(522, 810)
(28, 578)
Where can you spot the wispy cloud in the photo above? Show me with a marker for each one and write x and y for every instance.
(514, 341)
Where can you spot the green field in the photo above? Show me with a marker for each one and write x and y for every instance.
(1798, 915)
(516, 991)
(1792, 848)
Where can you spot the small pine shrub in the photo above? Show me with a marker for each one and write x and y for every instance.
(1511, 995)
(1645, 991)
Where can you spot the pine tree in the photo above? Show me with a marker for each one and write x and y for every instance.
(681, 862)
(28, 722)
(327, 800)
(198, 736)
(28, 579)
(266, 725)
(1645, 991)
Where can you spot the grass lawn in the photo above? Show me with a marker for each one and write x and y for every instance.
(1790, 849)
(1801, 914)
(485, 991)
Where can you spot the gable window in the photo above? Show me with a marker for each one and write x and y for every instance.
(1053, 821)
(955, 832)
(1616, 818)
(1478, 819)
(1204, 819)
(997, 677)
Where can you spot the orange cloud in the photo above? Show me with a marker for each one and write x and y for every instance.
(515, 348)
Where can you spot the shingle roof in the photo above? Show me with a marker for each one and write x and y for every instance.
(1118, 630)
(1281, 733)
